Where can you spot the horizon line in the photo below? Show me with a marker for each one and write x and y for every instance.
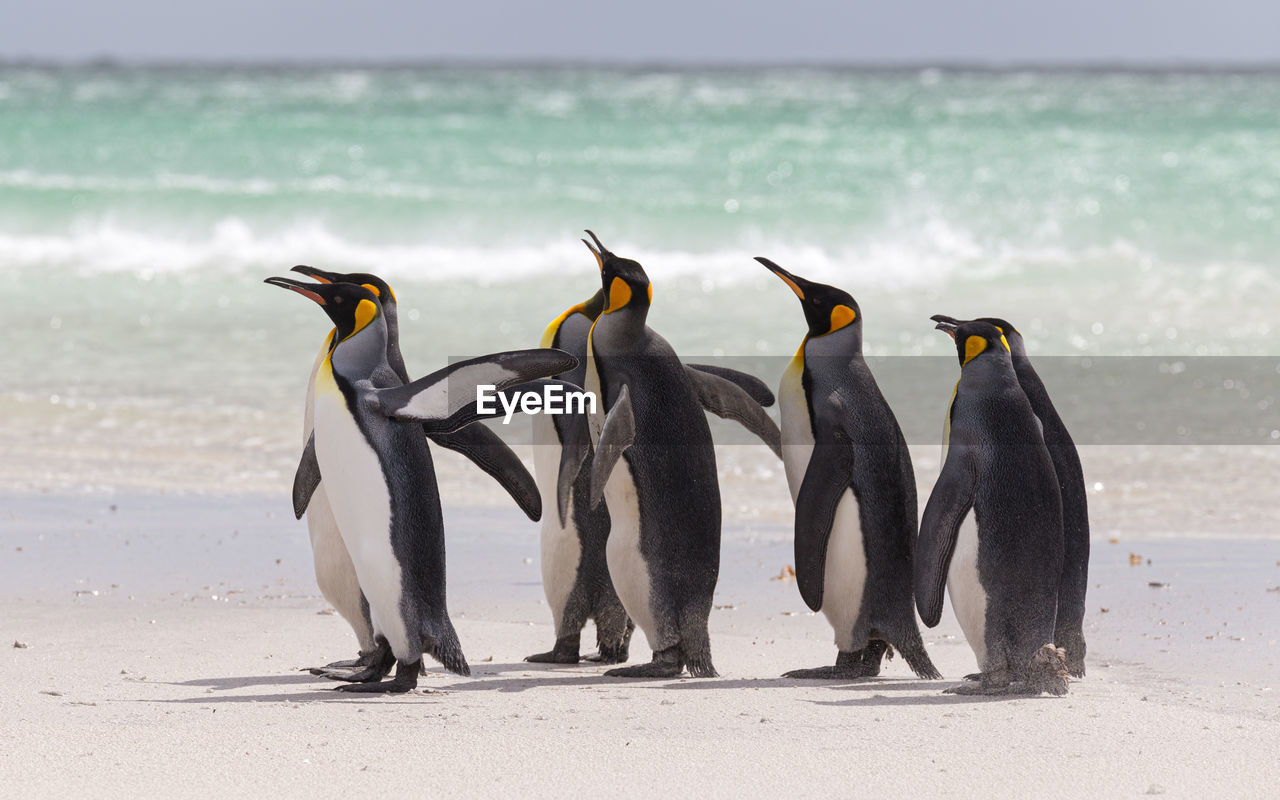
(1098, 66)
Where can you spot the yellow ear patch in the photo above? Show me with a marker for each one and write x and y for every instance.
(366, 311)
(841, 316)
(650, 293)
(619, 295)
(973, 346)
(373, 289)
(1004, 342)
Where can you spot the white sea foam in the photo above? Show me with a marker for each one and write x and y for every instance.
(931, 253)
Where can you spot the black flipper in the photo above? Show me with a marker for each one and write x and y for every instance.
(727, 399)
(575, 446)
(826, 479)
(616, 436)
(949, 503)
(747, 382)
(445, 400)
(306, 479)
(575, 449)
(486, 450)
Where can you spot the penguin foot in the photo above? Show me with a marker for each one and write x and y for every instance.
(564, 652)
(615, 653)
(665, 664)
(1047, 671)
(607, 655)
(365, 658)
(836, 673)
(1073, 645)
(406, 680)
(970, 689)
(850, 664)
(552, 657)
(348, 664)
(972, 676)
(381, 662)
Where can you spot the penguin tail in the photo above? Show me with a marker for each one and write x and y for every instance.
(444, 647)
(695, 647)
(911, 646)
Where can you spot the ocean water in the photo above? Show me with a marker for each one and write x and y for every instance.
(1107, 214)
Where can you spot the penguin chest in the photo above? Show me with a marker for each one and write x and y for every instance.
(335, 574)
(628, 568)
(846, 571)
(797, 427)
(593, 384)
(964, 584)
(361, 505)
(561, 548)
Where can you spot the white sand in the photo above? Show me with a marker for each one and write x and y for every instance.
(208, 699)
(153, 688)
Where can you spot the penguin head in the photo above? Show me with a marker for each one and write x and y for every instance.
(386, 296)
(625, 284)
(352, 307)
(978, 339)
(1013, 339)
(826, 308)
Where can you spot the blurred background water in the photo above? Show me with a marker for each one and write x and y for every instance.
(1104, 213)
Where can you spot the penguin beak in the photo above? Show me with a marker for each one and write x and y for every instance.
(306, 290)
(317, 274)
(787, 277)
(599, 250)
(946, 324)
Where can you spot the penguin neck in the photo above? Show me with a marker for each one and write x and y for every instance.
(985, 373)
(395, 359)
(357, 356)
(615, 328)
(844, 343)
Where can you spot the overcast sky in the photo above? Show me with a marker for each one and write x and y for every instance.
(646, 30)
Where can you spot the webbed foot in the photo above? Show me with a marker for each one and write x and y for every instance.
(831, 673)
(564, 652)
(850, 665)
(665, 664)
(365, 658)
(615, 653)
(1047, 671)
(380, 662)
(406, 680)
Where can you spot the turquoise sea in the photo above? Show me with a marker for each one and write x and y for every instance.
(1104, 213)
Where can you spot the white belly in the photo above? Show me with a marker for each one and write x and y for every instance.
(968, 598)
(361, 506)
(561, 549)
(846, 571)
(335, 574)
(846, 568)
(797, 433)
(627, 566)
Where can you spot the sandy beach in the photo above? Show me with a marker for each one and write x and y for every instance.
(153, 644)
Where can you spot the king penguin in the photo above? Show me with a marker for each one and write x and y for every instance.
(655, 468)
(853, 487)
(379, 478)
(1069, 627)
(335, 574)
(1002, 567)
(575, 575)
